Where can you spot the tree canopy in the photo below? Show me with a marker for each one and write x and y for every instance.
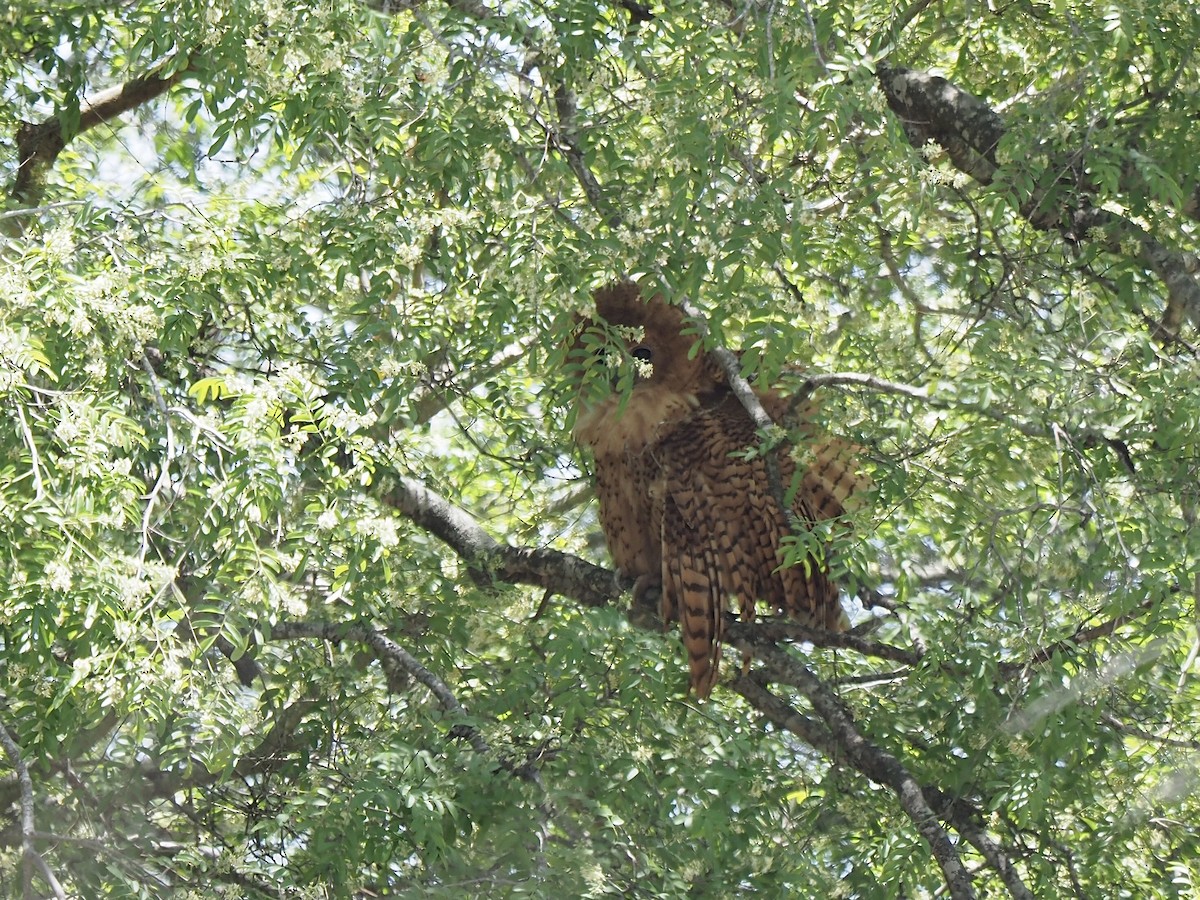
(302, 587)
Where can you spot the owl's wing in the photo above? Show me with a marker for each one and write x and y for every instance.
(833, 482)
(722, 528)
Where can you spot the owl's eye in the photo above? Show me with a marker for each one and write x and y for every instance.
(643, 354)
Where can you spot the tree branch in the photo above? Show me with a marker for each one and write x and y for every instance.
(566, 136)
(930, 108)
(387, 650)
(488, 560)
(933, 109)
(389, 653)
(1080, 434)
(31, 859)
(839, 738)
(842, 740)
(780, 629)
(39, 144)
(1078, 639)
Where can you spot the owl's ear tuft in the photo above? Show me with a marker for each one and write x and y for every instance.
(621, 303)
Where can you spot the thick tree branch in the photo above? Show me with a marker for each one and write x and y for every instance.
(871, 760)
(489, 560)
(995, 855)
(754, 687)
(844, 741)
(835, 733)
(930, 108)
(39, 144)
(852, 747)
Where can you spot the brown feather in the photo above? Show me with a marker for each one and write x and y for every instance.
(680, 510)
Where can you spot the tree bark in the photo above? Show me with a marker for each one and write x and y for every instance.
(40, 143)
(932, 109)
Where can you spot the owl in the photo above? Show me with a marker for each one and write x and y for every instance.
(685, 509)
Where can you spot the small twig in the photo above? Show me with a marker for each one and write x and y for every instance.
(164, 471)
(1078, 639)
(566, 136)
(34, 459)
(27, 211)
(1087, 437)
(818, 52)
(388, 650)
(776, 629)
(1117, 725)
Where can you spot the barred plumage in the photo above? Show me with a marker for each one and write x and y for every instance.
(681, 512)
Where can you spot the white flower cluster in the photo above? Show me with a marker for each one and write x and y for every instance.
(382, 529)
(16, 290)
(79, 422)
(355, 96)
(705, 246)
(12, 347)
(258, 58)
(200, 262)
(332, 59)
(275, 595)
(347, 421)
(58, 576)
(59, 245)
(934, 176)
(139, 582)
(258, 407)
(276, 12)
(631, 333)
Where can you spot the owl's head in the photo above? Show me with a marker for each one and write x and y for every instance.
(636, 371)
(655, 345)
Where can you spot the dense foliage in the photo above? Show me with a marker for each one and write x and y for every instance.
(299, 573)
